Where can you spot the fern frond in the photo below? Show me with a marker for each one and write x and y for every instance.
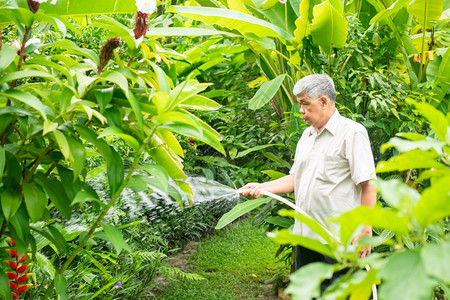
(176, 273)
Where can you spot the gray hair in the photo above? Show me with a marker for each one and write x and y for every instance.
(315, 86)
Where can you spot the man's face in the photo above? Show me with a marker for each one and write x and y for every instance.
(311, 110)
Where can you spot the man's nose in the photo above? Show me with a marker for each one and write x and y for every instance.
(302, 109)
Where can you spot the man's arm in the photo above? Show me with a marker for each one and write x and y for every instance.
(284, 184)
(368, 198)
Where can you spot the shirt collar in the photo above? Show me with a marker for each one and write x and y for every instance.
(331, 125)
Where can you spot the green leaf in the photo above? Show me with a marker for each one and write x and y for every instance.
(116, 131)
(55, 190)
(199, 102)
(27, 99)
(77, 154)
(329, 27)
(2, 161)
(438, 71)
(45, 265)
(73, 48)
(11, 200)
(239, 210)
(184, 31)
(382, 218)
(429, 10)
(5, 291)
(266, 92)
(83, 196)
(305, 282)
(116, 238)
(61, 286)
(23, 74)
(397, 194)
(35, 200)
(20, 224)
(7, 56)
(434, 203)
(414, 283)
(103, 97)
(59, 240)
(436, 259)
(160, 174)
(414, 159)
(256, 148)
(436, 118)
(162, 157)
(162, 79)
(273, 174)
(285, 236)
(233, 20)
(403, 145)
(88, 7)
(279, 221)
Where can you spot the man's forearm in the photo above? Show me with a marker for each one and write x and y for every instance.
(368, 194)
(278, 186)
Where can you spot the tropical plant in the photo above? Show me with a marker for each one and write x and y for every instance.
(59, 103)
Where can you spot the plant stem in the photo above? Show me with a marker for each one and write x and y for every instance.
(422, 50)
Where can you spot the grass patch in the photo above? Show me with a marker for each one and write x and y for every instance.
(238, 262)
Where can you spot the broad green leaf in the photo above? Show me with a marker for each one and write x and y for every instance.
(256, 148)
(88, 7)
(239, 210)
(184, 91)
(49, 126)
(113, 160)
(385, 13)
(436, 118)
(302, 23)
(83, 196)
(426, 10)
(27, 99)
(24, 74)
(233, 20)
(2, 161)
(403, 145)
(397, 194)
(285, 236)
(103, 97)
(62, 143)
(161, 101)
(168, 138)
(163, 80)
(414, 283)
(279, 221)
(305, 282)
(378, 217)
(77, 154)
(163, 158)
(176, 117)
(199, 102)
(160, 174)
(438, 71)
(414, 159)
(5, 291)
(11, 201)
(61, 285)
(436, 259)
(266, 92)
(7, 56)
(58, 239)
(116, 131)
(116, 238)
(45, 265)
(21, 224)
(35, 200)
(184, 31)
(434, 203)
(74, 48)
(55, 190)
(329, 27)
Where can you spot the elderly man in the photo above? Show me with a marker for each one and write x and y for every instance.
(332, 166)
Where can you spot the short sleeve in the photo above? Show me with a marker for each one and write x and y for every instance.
(360, 157)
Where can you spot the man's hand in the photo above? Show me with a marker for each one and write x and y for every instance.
(365, 249)
(251, 190)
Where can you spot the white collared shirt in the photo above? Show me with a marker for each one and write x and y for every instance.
(328, 168)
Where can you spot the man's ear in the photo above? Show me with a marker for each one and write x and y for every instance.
(324, 101)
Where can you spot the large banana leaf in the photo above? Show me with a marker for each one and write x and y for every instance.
(329, 26)
(233, 20)
(426, 10)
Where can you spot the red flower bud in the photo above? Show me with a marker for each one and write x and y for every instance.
(33, 5)
(23, 288)
(11, 275)
(23, 258)
(11, 264)
(12, 285)
(12, 253)
(14, 295)
(24, 277)
(23, 268)
(11, 242)
(141, 26)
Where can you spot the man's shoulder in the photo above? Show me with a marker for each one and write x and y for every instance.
(351, 126)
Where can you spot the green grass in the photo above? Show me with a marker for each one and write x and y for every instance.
(239, 262)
